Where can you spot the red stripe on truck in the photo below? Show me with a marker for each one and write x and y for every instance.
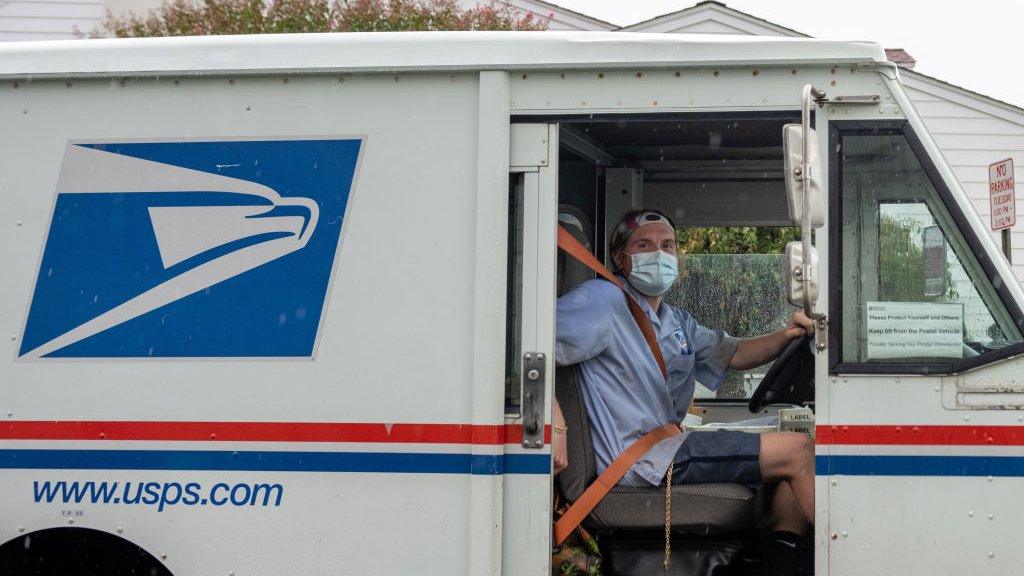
(916, 435)
(264, 432)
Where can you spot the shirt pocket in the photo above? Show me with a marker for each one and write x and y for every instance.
(680, 363)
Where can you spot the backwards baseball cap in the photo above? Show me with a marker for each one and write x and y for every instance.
(631, 222)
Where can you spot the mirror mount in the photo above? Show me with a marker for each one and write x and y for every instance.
(809, 273)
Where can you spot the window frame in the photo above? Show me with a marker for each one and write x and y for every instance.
(837, 130)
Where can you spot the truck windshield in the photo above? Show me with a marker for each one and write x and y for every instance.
(743, 294)
(913, 291)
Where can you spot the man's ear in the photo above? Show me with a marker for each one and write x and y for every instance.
(619, 259)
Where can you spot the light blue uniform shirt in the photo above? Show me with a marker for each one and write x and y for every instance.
(624, 391)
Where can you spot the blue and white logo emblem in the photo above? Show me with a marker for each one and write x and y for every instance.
(190, 249)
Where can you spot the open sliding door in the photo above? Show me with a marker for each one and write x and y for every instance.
(530, 345)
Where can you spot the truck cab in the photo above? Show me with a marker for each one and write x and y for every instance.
(300, 290)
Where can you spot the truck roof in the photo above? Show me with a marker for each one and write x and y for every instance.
(415, 51)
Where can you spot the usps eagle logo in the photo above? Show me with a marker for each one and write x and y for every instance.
(190, 249)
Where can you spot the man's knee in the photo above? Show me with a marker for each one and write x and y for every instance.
(787, 454)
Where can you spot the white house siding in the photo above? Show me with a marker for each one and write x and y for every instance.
(710, 18)
(971, 139)
(710, 27)
(48, 19)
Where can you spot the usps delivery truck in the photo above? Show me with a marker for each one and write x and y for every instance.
(285, 304)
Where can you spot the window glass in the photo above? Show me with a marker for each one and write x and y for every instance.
(514, 301)
(912, 290)
(740, 293)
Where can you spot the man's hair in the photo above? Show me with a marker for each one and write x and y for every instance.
(626, 226)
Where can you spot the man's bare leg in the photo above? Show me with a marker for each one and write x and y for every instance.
(786, 513)
(788, 458)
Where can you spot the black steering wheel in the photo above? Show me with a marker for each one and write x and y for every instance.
(790, 380)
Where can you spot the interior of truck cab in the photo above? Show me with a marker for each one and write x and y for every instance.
(719, 178)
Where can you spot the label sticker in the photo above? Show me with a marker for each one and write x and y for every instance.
(190, 249)
(915, 330)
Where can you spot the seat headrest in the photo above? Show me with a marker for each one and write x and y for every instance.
(572, 273)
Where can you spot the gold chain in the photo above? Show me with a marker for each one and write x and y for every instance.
(668, 513)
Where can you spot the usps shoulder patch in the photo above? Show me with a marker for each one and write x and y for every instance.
(190, 249)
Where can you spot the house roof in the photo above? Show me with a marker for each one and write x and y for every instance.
(414, 51)
(545, 9)
(713, 6)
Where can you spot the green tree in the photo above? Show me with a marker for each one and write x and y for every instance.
(901, 263)
(732, 279)
(743, 294)
(735, 240)
(210, 17)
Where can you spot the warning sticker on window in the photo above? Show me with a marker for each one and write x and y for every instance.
(914, 330)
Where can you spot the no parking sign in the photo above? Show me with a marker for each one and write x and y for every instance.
(1001, 194)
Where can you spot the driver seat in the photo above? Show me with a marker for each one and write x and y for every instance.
(705, 509)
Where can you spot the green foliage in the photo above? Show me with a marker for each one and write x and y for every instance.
(208, 17)
(732, 279)
(741, 294)
(901, 263)
(735, 240)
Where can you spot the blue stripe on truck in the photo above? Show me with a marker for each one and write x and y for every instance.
(276, 461)
(863, 465)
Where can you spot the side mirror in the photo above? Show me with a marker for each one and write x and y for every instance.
(792, 154)
(934, 250)
(795, 271)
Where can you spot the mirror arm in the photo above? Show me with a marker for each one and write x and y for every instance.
(810, 93)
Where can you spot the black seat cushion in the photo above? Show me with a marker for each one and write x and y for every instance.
(696, 508)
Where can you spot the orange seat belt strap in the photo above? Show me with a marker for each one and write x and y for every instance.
(608, 479)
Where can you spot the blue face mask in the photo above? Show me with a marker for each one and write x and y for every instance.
(653, 272)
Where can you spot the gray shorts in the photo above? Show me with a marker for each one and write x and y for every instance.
(721, 456)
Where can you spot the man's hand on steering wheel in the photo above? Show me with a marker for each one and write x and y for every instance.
(799, 325)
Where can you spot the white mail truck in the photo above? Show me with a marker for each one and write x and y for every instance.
(286, 304)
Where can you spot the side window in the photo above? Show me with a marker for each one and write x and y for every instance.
(912, 289)
(514, 301)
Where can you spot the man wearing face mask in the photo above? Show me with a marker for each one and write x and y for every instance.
(626, 394)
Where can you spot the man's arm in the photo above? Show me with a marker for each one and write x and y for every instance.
(559, 453)
(753, 352)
